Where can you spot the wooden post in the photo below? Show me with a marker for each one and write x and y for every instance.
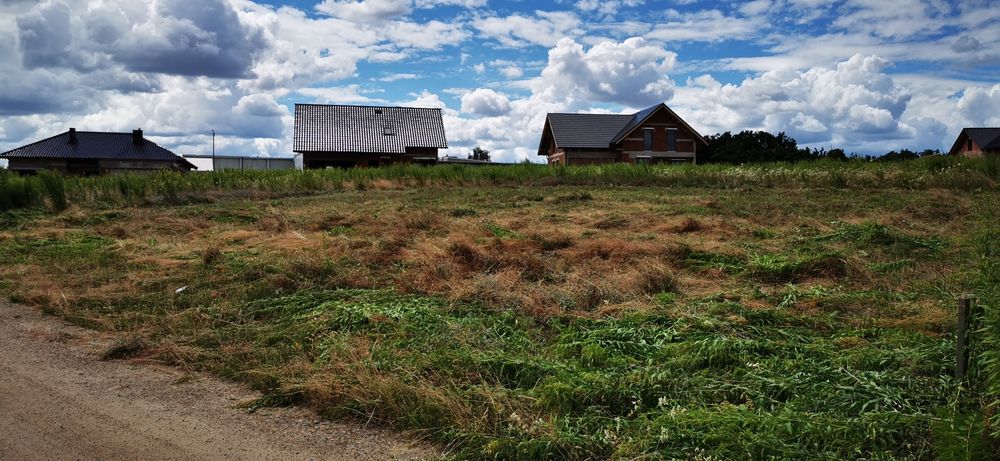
(964, 330)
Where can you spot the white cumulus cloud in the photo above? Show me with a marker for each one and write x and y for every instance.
(485, 102)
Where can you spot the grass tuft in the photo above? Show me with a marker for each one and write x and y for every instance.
(127, 348)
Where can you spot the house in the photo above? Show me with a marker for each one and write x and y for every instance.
(653, 135)
(347, 136)
(94, 152)
(974, 142)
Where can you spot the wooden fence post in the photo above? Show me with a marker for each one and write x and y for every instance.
(964, 335)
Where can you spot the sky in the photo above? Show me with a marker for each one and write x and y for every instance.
(868, 76)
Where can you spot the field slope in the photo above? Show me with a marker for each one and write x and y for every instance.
(775, 312)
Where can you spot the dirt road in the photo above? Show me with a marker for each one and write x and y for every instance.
(59, 402)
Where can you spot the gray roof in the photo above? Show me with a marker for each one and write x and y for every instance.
(986, 138)
(369, 129)
(96, 145)
(637, 119)
(586, 130)
(599, 131)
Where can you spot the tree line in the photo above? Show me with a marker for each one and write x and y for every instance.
(761, 146)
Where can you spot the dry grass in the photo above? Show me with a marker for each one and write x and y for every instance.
(558, 255)
(564, 257)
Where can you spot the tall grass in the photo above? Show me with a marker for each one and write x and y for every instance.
(172, 187)
(18, 191)
(986, 359)
(55, 189)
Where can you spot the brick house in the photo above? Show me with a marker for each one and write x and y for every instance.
(653, 135)
(94, 152)
(974, 142)
(369, 136)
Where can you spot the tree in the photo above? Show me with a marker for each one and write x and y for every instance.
(753, 146)
(478, 153)
(836, 154)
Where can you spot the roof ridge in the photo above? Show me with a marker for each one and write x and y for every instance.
(364, 106)
(588, 113)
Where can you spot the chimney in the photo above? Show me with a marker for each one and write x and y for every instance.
(137, 136)
(72, 135)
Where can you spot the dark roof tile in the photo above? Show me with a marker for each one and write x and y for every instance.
(987, 138)
(599, 131)
(586, 130)
(96, 145)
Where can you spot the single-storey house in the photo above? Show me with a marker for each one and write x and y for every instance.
(974, 142)
(370, 136)
(653, 135)
(94, 152)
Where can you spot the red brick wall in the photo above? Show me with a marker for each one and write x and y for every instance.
(659, 123)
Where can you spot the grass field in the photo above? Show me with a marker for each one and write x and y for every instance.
(766, 312)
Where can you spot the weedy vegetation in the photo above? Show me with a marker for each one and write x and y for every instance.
(789, 311)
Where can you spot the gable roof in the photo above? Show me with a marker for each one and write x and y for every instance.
(97, 145)
(600, 131)
(374, 129)
(986, 138)
(640, 117)
(637, 119)
(586, 130)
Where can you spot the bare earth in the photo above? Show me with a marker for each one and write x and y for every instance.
(59, 402)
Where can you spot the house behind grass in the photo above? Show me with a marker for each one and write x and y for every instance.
(368, 136)
(653, 135)
(976, 142)
(90, 153)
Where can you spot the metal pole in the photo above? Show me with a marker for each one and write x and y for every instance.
(965, 327)
(213, 149)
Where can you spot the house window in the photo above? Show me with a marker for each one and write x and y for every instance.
(388, 130)
(969, 144)
(672, 139)
(647, 139)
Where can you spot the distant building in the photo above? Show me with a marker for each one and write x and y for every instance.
(974, 142)
(347, 136)
(92, 153)
(652, 135)
(448, 159)
(242, 162)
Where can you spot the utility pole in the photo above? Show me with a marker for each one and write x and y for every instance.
(213, 149)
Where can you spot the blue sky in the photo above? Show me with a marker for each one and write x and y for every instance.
(868, 76)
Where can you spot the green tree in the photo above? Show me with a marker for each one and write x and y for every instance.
(753, 146)
(478, 153)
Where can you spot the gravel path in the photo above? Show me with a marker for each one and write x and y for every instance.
(59, 402)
